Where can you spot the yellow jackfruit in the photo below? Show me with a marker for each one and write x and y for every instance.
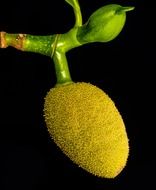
(84, 122)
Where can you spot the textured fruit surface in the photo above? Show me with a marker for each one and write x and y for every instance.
(85, 124)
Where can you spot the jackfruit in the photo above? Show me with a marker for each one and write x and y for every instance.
(85, 123)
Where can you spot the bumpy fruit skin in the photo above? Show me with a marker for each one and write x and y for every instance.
(85, 124)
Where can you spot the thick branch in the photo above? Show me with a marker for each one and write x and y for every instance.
(25, 42)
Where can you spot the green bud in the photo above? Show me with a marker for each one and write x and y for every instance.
(104, 24)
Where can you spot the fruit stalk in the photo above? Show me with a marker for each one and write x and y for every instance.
(54, 46)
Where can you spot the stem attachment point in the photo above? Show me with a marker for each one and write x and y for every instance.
(54, 45)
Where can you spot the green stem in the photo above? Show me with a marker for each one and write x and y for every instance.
(61, 68)
(52, 46)
(30, 43)
(40, 44)
(64, 42)
(77, 12)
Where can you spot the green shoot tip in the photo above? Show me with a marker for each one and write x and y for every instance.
(124, 9)
(128, 8)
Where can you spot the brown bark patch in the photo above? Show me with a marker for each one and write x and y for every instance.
(3, 43)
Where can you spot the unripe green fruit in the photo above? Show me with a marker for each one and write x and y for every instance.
(86, 125)
(104, 24)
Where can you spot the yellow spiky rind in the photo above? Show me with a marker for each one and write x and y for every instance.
(86, 125)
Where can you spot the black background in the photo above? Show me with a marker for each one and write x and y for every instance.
(124, 68)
